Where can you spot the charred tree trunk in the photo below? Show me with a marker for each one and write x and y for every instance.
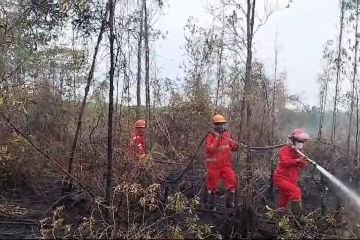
(219, 76)
(220, 67)
(75, 69)
(128, 76)
(356, 161)
(248, 71)
(274, 91)
(323, 99)
(338, 72)
(139, 64)
(272, 135)
(357, 125)
(3, 66)
(119, 55)
(111, 104)
(87, 88)
(348, 143)
(266, 115)
(247, 209)
(321, 114)
(117, 95)
(147, 65)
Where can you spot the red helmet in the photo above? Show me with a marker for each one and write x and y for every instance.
(299, 134)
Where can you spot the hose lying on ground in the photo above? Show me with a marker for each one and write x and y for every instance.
(187, 168)
(191, 161)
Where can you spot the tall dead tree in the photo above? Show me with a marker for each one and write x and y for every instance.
(248, 71)
(139, 62)
(111, 103)
(87, 87)
(323, 99)
(324, 80)
(147, 63)
(247, 210)
(338, 71)
(122, 64)
(338, 61)
(357, 124)
(354, 76)
(127, 71)
(220, 71)
(276, 51)
(264, 130)
(273, 100)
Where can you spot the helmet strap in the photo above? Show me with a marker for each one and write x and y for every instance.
(291, 141)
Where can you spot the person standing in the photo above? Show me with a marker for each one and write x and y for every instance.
(218, 157)
(137, 141)
(287, 172)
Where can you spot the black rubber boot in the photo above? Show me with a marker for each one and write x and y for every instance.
(230, 197)
(280, 211)
(210, 200)
(296, 208)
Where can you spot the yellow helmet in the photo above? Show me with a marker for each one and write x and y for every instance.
(218, 119)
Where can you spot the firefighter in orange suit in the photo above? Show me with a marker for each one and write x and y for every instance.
(218, 157)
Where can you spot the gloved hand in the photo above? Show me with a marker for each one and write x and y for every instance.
(303, 161)
(141, 162)
(235, 148)
(145, 161)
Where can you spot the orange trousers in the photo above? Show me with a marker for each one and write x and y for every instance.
(288, 190)
(225, 173)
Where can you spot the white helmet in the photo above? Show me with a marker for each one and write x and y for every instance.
(300, 135)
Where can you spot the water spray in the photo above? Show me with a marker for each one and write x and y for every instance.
(350, 193)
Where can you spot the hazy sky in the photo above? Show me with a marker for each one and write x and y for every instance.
(302, 31)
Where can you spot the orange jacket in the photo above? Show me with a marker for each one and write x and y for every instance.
(218, 150)
(137, 145)
(287, 166)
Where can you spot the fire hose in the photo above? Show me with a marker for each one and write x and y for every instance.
(351, 194)
(307, 158)
(191, 161)
(255, 148)
(187, 168)
(198, 148)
